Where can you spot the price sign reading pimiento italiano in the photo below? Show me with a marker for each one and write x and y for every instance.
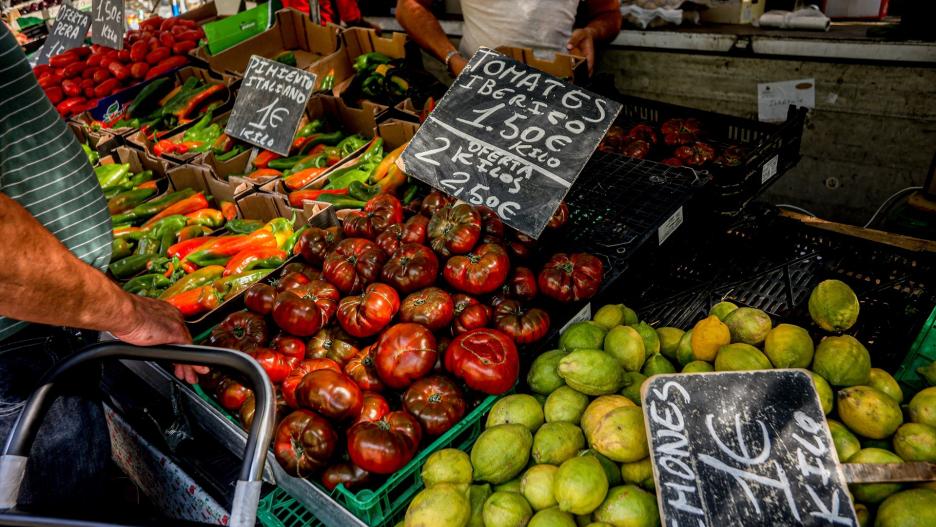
(509, 137)
(108, 23)
(743, 449)
(270, 104)
(71, 27)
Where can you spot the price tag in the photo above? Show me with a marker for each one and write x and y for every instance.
(270, 104)
(509, 137)
(108, 23)
(670, 225)
(743, 449)
(581, 316)
(71, 27)
(770, 169)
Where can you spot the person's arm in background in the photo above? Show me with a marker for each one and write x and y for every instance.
(424, 28)
(604, 23)
(42, 281)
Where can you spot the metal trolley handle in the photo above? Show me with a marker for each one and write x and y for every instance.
(246, 493)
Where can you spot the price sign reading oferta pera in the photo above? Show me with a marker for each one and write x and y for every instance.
(509, 137)
(270, 104)
(108, 23)
(71, 27)
(743, 449)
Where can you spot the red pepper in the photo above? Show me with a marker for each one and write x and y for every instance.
(118, 70)
(67, 107)
(138, 51)
(297, 197)
(264, 158)
(52, 79)
(138, 70)
(164, 146)
(147, 184)
(192, 35)
(207, 217)
(184, 248)
(41, 70)
(185, 206)
(158, 55)
(54, 93)
(247, 259)
(183, 46)
(196, 301)
(195, 102)
(167, 65)
(63, 59)
(101, 75)
(303, 178)
(186, 146)
(228, 210)
(223, 248)
(259, 174)
(106, 88)
(71, 88)
(74, 69)
(191, 232)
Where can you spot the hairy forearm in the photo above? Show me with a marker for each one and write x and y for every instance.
(605, 20)
(42, 281)
(423, 27)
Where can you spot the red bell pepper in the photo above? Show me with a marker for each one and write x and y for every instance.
(196, 301)
(186, 247)
(185, 206)
(265, 258)
(303, 178)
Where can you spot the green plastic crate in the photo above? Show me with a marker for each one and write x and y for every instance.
(922, 353)
(233, 30)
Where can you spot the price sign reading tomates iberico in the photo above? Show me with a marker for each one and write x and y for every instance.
(743, 449)
(270, 104)
(108, 23)
(71, 27)
(509, 137)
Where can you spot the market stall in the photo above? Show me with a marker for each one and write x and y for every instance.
(474, 303)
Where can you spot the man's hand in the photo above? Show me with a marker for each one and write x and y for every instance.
(155, 322)
(582, 44)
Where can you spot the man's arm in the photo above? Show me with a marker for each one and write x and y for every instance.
(42, 281)
(424, 28)
(604, 23)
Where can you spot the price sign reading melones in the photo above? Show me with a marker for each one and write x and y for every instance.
(71, 27)
(108, 23)
(270, 104)
(743, 449)
(509, 137)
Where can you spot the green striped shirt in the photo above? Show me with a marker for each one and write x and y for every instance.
(43, 167)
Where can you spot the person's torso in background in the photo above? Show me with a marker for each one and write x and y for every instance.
(543, 25)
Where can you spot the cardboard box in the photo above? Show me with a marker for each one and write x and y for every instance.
(292, 31)
(102, 142)
(734, 11)
(139, 161)
(265, 207)
(358, 41)
(200, 178)
(564, 66)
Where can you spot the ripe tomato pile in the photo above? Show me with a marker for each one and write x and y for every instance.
(76, 79)
(678, 142)
(390, 328)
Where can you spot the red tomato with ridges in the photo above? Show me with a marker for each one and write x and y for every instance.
(486, 359)
(436, 402)
(491, 224)
(413, 231)
(259, 298)
(305, 367)
(384, 446)
(315, 243)
(431, 307)
(324, 295)
(375, 407)
(296, 315)
(481, 271)
(330, 393)
(242, 331)
(469, 314)
(290, 281)
(332, 343)
(361, 368)
(560, 217)
(434, 202)
(354, 263)
(347, 474)
(525, 326)
(367, 314)
(379, 213)
(411, 268)
(405, 352)
(232, 394)
(454, 230)
(305, 443)
(276, 365)
(521, 285)
(570, 278)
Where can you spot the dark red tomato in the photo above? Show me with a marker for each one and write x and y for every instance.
(241, 331)
(413, 231)
(570, 278)
(354, 263)
(249, 408)
(680, 131)
(296, 315)
(324, 295)
(276, 365)
(384, 446)
(259, 298)
(375, 407)
(491, 224)
(481, 271)
(332, 343)
(291, 382)
(644, 132)
(380, 212)
(455, 229)
(636, 148)
(304, 443)
(289, 346)
(431, 307)
(486, 359)
(347, 474)
(232, 394)
(361, 368)
(434, 202)
(521, 285)
(367, 314)
(291, 281)
(469, 314)
(303, 268)
(519, 250)
(315, 243)
(330, 393)
(560, 217)
(436, 402)
(411, 268)
(525, 326)
(405, 352)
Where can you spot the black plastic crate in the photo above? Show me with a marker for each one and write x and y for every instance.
(773, 263)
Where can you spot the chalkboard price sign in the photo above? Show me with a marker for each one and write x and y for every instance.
(509, 137)
(270, 104)
(743, 449)
(71, 27)
(108, 23)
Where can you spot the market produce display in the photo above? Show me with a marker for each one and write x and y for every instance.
(388, 81)
(377, 352)
(676, 142)
(76, 79)
(573, 450)
(204, 136)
